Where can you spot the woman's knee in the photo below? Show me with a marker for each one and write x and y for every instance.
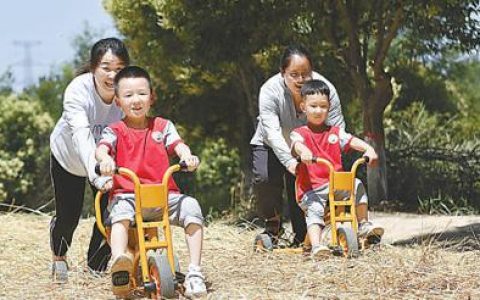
(65, 224)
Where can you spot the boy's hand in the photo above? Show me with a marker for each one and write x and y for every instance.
(107, 166)
(307, 157)
(372, 155)
(192, 162)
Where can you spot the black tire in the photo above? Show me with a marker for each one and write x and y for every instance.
(263, 242)
(348, 241)
(161, 275)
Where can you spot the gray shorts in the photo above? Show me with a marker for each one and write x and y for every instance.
(313, 202)
(182, 210)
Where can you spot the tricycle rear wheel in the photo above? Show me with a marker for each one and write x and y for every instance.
(263, 242)
(347, 239)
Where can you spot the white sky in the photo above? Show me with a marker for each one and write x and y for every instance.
(51, 25)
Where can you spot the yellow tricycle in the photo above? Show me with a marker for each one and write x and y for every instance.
(156, 272)
(342, 224)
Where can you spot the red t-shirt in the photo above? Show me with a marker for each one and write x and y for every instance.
(323, 144)
(144, 151)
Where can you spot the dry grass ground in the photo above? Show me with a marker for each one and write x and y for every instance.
(413, 263)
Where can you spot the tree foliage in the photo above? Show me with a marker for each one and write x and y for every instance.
(24, 151)
(49, 90)
(222, 50)
(25, 127)
(429, 156)
(6, 83)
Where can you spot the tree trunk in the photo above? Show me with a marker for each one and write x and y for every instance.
(376, 176)
(374, 132)
(248, 102)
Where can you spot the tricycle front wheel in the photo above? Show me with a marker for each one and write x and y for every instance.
(162, 279)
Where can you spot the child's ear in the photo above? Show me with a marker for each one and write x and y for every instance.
(302, 106)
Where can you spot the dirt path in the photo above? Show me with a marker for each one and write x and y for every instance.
(400, 227)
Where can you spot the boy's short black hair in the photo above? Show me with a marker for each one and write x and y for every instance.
(131, 72)
(314, 87)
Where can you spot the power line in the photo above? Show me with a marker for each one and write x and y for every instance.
(27, 61)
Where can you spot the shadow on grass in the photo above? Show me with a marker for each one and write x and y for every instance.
(461, 239)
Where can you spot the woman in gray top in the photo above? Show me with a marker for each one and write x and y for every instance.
(279, 113)
(88, 107)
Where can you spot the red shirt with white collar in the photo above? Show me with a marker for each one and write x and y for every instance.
(144, 151)
(328, 144)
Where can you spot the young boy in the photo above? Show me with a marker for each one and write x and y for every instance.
(143, 144)
(320, 140)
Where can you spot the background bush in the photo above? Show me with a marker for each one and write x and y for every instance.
(24, 152)
(433, 162)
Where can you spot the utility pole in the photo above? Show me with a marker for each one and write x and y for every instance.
(27, 61)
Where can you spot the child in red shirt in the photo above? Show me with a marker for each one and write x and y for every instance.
(320, 140)
(144, 144)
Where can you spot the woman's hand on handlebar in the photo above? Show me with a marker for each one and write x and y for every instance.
(107, 186)
(103, 183)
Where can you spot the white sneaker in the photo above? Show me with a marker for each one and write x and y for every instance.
(320, 251)
(60, 271)
(368, 229)
(195, 282)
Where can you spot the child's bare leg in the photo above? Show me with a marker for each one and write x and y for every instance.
(119, 237)
(194, 239)
(362, 212)
(318, 250)
(122, 261)
(314, 232)
(194, 280)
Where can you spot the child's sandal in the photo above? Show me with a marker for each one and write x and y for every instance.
(121, 268)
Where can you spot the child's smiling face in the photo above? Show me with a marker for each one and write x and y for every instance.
(316, 108)
(135, 98)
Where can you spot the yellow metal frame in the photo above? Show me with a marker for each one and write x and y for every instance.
(146, 196)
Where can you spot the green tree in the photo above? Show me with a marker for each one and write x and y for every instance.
(24, 137)
(361, 34)
(464, 79)
(82, 43)
(208, 59)
(49, 90)
(6, 83)
(194, 48)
